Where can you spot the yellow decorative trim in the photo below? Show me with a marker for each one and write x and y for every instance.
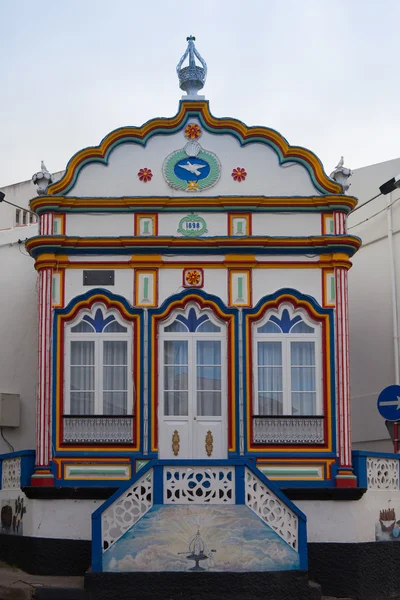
(221, 203)
(244, 134)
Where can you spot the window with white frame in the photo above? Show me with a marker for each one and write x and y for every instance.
(98, 364)
(192, 352)
(288, 364)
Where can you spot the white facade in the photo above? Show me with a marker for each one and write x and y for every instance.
(20, 194)
(370, 303)
(18, 332)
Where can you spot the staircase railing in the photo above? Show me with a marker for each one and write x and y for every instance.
(194, 482)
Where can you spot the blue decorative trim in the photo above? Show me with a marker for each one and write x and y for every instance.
(285, 323)
(337, 244)
(359, 461)
(100, 322)
(192, 322)
(359, 453)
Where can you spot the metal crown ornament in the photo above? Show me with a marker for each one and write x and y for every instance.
(192, 77)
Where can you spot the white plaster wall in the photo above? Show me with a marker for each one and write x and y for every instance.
(265, 176)
(268, 281)
(215, 282)
(64, 519)
(74, 284)
(97, 225)
(18, 333)
(370, 304)
(266, 224)
(285, 224)
(347, 521)
(99, 258)
(264, 282)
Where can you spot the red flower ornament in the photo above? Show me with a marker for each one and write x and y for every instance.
(192, 131)
(239, 174)
(145, 175)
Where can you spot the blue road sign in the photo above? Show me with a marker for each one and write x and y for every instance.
(389, 403)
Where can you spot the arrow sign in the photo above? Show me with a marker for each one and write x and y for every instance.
(389, 403)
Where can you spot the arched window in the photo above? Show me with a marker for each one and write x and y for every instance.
(287, 361)
(193, 363)
(98, 370)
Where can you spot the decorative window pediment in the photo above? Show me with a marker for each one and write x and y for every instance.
(285, 324)
(192, 322)
(98, 324)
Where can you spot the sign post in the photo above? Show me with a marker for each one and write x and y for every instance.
(389, 407)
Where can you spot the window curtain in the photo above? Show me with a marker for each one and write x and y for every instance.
(209, 378)
(115, 377)
(176, 378)
(82, 372)
(270, 380)
(303, 378)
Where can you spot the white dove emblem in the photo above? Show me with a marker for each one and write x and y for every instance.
(192, 168)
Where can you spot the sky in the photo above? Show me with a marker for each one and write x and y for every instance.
(324, 73)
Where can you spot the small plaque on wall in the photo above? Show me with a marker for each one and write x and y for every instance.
(98, 277)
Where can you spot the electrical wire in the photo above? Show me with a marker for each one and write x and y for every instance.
(374, 215)
(365, 203)
(10, 446)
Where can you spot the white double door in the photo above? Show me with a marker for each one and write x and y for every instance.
(192, 397)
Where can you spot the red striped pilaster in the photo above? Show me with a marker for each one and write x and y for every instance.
(340, 223)
(43, 475)
(46, 224)
(345, 476)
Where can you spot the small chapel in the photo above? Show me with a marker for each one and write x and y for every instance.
(193, 358)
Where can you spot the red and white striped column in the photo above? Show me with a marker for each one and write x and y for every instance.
(43, 475)
(345, 476)
(339, 223)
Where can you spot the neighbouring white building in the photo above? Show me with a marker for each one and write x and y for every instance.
(374, 288)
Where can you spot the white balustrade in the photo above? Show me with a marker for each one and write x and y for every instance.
(199, 485)
(299, 430)
(382, 473)
(131, 506)
(11, 473)
(261, 500)
(101, 430)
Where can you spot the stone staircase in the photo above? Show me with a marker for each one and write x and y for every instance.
(199, 529)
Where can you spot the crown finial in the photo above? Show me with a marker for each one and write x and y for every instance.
(192, 77)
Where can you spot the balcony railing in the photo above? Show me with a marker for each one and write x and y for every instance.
(97, 429)
(288, 430)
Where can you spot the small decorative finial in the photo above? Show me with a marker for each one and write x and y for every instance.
(192, 77)
(42, 179)
(341, 175)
